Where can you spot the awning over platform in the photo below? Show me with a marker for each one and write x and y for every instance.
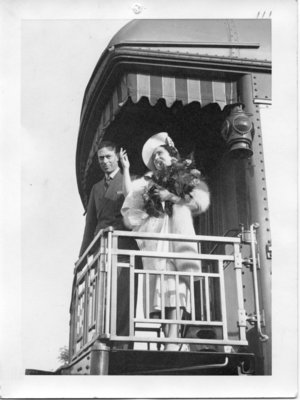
(169, 88)
(172, 89)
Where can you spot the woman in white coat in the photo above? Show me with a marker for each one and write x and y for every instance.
(165, 201)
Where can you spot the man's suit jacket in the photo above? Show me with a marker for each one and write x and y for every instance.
(104, 209)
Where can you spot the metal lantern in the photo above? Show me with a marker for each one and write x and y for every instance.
(238, 132)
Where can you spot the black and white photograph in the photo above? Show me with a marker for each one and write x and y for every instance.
(149, 199)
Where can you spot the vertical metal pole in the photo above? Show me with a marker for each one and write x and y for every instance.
(192, 293)
(202, 300)
(163, 291)
(73, 320)
(85, 308)
(91, 291)
(199, 246)
(101, 286)
(256, 297)
(147, 294)
(177, 297)
(131, 295)
(97, 315)
(72, 326)
(99, 359)
(108, 286)
(207, 301)
(223, 300)
(239, 289)
(114, 283)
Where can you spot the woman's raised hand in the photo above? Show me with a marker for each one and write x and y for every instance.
(124, 159)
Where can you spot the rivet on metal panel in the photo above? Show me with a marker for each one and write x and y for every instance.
(137, 8)
(242, 318)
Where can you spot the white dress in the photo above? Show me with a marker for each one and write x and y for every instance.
(181, 222)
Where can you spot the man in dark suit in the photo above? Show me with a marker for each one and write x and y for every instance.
(106, 197)
(104, 209)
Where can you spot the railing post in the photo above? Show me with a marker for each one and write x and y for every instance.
(113, 264)
(193, 301)
(177, 297)
(85, 309)
(239, 287)
(202, 300)
(262, 336)
(75, 315)
(147, 285)
(223, 301)
(132, 295)
(72, 327)
(101, 289)
(109, 278)
(99, 359)
(207, 301)
(162, 290)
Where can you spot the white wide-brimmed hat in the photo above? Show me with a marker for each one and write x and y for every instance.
(159, 139)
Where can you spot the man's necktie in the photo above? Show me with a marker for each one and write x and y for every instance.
(107, 181)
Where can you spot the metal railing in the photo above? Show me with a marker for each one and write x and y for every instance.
(94, 295)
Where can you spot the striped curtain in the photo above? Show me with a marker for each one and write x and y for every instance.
(169, 88)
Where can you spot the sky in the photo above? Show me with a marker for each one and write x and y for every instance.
(46, 60)
(54, 75)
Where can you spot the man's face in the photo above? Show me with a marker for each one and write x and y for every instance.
(108, 159)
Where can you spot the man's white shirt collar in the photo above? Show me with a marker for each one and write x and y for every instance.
(113, 174)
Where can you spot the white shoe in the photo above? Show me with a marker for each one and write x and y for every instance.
(172, 347)
(185, 347)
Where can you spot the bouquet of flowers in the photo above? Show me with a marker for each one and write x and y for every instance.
(180, 178)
